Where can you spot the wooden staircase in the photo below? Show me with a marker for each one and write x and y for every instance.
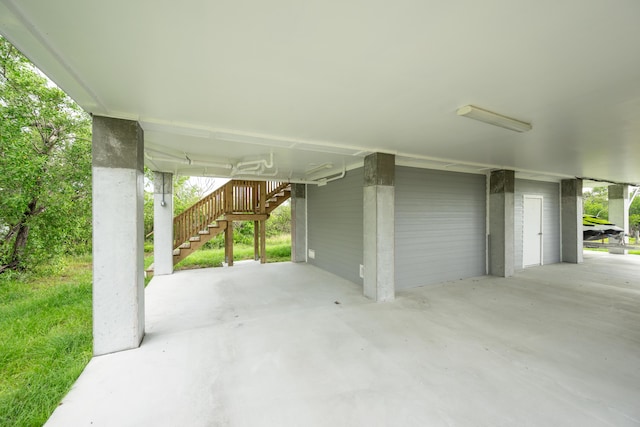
(238, 200)
(196, 242)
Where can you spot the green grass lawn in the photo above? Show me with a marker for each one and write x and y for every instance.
(45, 341)
(632, 241)
(45, 331)
(278, 249)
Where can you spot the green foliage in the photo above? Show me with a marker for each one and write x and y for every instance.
(596, 202)
(278, 249)
(634, 214)
(45, 341)
(45, 158)
(243, 232)
(280, 220)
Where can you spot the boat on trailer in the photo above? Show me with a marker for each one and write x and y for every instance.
(594, 228)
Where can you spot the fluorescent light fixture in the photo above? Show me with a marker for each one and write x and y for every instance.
(493, 118)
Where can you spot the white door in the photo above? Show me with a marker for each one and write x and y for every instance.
(532, 230)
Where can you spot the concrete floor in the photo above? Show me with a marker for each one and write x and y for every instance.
(291, 345)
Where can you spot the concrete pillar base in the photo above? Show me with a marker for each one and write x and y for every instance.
(501, 223)
(118, 235)
(379, 227)
(163, 223)
(298, 223)
(571, 217)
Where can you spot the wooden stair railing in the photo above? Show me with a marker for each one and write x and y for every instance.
(198, 217)
(277, 193)
(236, 200)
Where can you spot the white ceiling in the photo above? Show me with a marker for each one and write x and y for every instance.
(319, 83)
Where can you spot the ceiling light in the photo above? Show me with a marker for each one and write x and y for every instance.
(493, 118)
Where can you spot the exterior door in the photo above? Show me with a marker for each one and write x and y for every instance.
(532, 231)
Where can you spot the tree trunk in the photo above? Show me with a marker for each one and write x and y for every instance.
(19, 246)
(22, 236)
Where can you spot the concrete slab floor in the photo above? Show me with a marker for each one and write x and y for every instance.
(291, 345)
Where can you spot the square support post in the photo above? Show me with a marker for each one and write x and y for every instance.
(228, 243)
(298, 223)
(263, 224)
(162, 223)
(619, 214)
(571, 218)
(379, 227)
(501, 223)
(256, 240)
(263, 242)
(118, 235)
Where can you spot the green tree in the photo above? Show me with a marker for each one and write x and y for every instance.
(634, 213)
(596, 202)
(280, 220)
(45, 164)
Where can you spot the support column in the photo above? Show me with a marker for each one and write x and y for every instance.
(379, 227)
(263, 242)
(228, 244)
(256, 240)
(118, 235)
(571, 218)
(619, 214)
(263, 223)
(162, 223)
(501, 223)
(298, 223)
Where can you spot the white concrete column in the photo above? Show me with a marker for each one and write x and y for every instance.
(379, 227)
(118, 235)
(571, 217)
(162, 223)
(501, 223)
(619, 213)
(298, 223)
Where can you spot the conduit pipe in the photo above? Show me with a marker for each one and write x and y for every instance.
(321, 181)
(161, 156)
(257, 163)
(324, 181)
(256, 173)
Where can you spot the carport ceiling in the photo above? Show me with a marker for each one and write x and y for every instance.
(323, 83)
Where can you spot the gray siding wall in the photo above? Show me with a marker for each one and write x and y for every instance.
(440, 226)
(334, 215)
(550, 192)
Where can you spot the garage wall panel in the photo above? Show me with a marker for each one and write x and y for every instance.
(335, 223)
(550, 191)
(440, 226)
